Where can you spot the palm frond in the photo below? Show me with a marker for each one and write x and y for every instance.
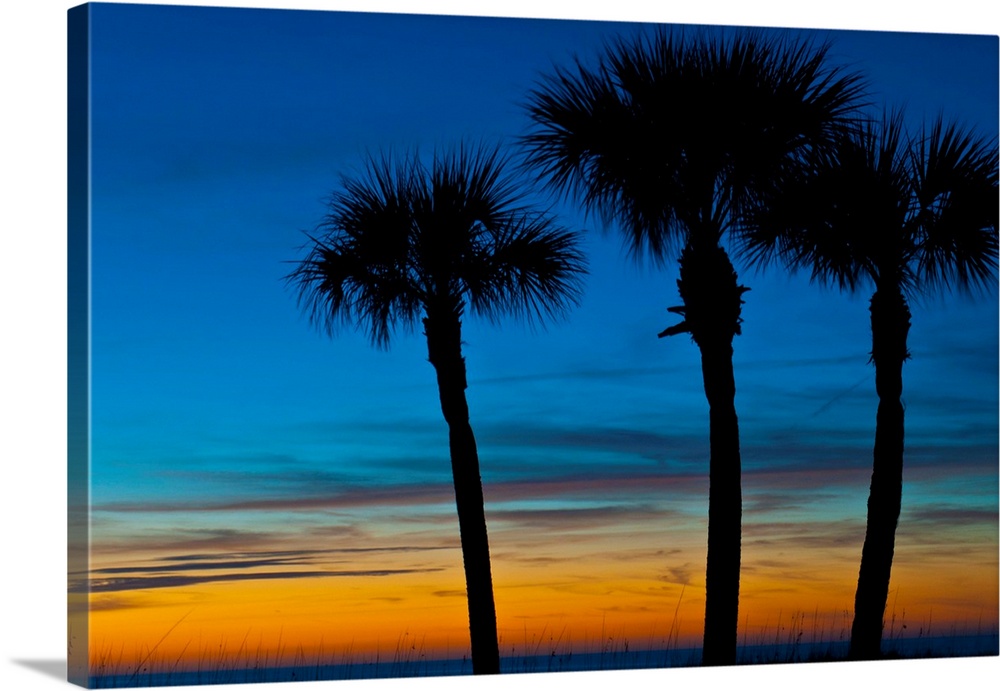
(501, 257)
(804, 108)
(526, 266)
(357, 271)
(590, 142)
(842, 214)
(955, 179)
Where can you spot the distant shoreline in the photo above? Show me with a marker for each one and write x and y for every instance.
(790, 652)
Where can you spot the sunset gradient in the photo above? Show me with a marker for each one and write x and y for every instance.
(264, 494)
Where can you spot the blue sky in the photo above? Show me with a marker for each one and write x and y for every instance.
(222, 415)
(217, 136)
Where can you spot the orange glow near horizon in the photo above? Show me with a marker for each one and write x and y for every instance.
(583, 597)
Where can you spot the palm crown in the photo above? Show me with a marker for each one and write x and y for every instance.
(666, 136)
(917, 212)
(404, 239)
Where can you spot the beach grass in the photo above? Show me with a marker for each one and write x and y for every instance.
(796, 638)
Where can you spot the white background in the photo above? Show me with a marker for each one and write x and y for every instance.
(33, 333)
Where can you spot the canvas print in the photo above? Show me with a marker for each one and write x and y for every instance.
(411, 345)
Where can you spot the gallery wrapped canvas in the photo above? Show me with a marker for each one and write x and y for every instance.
(420, 345)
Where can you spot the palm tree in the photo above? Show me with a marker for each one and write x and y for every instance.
(669, 139)
(906, 215)
(404, 242)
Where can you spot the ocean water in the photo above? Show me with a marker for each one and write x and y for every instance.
(781, 653)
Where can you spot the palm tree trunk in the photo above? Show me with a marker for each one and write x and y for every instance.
(725, 508)
(712, 306)
(890, 318)
(444, 348)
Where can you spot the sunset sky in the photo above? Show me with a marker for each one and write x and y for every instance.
(255, 480)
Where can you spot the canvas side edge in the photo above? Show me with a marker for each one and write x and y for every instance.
(78, 344)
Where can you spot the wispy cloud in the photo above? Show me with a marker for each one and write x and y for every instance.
(173, 570)
(174, 581)
(449, 593)
(588, 482)
(680, 575)
(940, 514)
(612, 374)
(806, 534)
(200, 565)
(579, 519)
(667, 448)
(397, 495)
(770, 502)
(212, 540)
(299, 555)
(620, 373)
(112, 603)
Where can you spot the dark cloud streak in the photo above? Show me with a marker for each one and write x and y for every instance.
(151, 582)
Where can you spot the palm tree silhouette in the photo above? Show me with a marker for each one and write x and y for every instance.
(669, 139)
(907, 215)
(404, 242)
